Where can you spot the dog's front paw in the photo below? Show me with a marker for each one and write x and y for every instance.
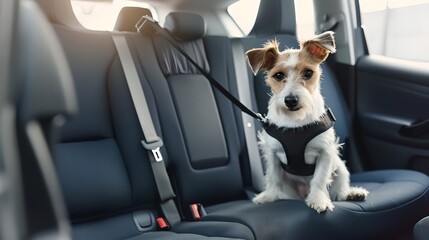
(357, 194)
(264, 197)
(320, 203)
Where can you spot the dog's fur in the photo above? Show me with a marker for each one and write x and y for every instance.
(292, 69)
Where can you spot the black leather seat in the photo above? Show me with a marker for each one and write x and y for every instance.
(104, 172)
(421, 229)
(107, 181)
(39, 96)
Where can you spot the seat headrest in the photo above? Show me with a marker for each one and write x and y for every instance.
(128, 17)
(59, 12)
(275, 17)
(185, 26)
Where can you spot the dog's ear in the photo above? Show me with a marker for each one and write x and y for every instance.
(320, 46)
(263, 58)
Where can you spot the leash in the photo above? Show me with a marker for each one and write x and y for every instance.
(147, 20)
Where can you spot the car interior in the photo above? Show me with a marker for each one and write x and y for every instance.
(85, 153)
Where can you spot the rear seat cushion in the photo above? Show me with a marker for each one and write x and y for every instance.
(388, 212)
(123, 227)
(93, 177)
(175, 236)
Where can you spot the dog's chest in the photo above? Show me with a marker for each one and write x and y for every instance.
(312, 148)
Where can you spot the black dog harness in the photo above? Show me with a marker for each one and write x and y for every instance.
(295, 140)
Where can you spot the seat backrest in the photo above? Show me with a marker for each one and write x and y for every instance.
(89, 160)
(200, 129)
(104, 171)
(44, 94)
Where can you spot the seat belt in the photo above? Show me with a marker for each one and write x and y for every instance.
(257, 174)
(244, 95)
(152, 142)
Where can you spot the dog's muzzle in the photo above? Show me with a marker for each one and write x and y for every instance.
(292, 102)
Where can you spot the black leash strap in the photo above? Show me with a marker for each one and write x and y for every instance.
(158, 29)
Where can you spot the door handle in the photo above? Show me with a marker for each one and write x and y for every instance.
(415, 130)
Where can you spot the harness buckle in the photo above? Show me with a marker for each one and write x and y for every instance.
(331, 114)
(262, 118)
(155, 147)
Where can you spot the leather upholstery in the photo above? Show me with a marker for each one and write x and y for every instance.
(225, 179)
(105, 173)
(102, 166)
(103, 169)
(275, 17)
(128, 17)
(185, 26)
(421, 229)
(172, 62)
(377, 217)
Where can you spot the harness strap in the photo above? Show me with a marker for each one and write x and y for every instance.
(295, 140)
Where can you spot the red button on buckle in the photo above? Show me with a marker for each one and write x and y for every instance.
(162, 224)
(195, 210)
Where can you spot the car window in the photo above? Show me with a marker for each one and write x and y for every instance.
(244, 13)
(305, 22)
(397, 28)
(101, 15)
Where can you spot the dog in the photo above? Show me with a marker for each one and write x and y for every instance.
(294, 78)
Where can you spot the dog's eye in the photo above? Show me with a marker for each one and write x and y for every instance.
(279, 76)
(307, 74)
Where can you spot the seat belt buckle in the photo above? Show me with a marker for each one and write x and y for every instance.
(157, 154)
(162, 223)
(197, 211)
(155, 147)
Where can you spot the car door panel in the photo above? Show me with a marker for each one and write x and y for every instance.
(393, 111)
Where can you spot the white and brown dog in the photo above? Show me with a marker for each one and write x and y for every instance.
(296, 102)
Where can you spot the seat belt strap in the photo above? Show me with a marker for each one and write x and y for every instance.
(244, 95)
(152, 141)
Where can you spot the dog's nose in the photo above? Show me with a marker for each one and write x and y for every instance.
(291, 101)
